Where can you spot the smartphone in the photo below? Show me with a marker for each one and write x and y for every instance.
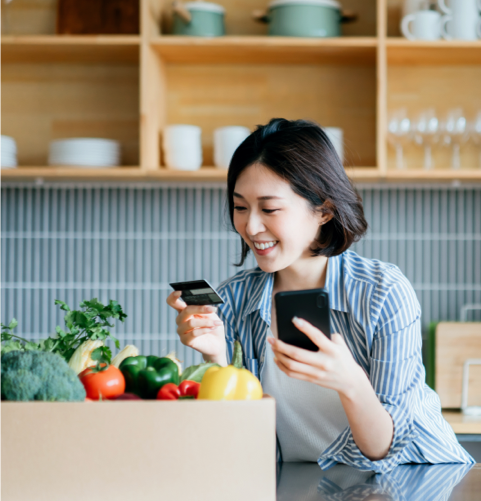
(311, 305)
(198, 292)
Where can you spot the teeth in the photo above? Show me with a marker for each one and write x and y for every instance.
(264, 246)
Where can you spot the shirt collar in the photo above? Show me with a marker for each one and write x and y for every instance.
(260, 298)
(335, 284)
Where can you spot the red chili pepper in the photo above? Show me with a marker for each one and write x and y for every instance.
(186, 389)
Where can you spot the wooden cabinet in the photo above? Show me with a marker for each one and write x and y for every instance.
(128, 87)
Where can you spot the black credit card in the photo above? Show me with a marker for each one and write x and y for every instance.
(198, 292)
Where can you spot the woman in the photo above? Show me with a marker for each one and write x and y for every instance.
(361, 399)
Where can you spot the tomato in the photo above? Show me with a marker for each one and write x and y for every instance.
(103, 384)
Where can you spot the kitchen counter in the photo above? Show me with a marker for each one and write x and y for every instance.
(462, 424)
(307, 482)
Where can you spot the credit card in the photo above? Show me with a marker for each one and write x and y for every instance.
(198, 292)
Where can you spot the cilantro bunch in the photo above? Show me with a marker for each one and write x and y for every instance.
(90, 322)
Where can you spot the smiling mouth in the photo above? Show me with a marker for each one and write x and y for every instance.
(263, 246)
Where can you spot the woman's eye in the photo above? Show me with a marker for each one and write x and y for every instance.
(236, 207)
(269, 211)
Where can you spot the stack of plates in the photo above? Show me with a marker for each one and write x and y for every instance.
(9, 152)
(85, 152)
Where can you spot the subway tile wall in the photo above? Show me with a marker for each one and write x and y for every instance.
(127, 243)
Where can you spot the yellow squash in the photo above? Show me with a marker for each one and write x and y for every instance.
(230, 383)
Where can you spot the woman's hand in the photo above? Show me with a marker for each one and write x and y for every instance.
(333, 366)
(200, 328)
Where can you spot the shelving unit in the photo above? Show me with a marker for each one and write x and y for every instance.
(129, 87)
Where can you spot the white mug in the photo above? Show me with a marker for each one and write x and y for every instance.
(336, 136)
(226, 141)
(426, 25)
(462, 21)
(182, 147)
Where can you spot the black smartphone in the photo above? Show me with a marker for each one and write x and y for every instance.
(198, 292)
(311, 305)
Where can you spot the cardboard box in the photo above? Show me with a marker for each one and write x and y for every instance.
(142, 450)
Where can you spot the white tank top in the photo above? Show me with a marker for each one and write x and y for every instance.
(309, 417)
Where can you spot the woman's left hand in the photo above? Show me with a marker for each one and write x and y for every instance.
(333, 366)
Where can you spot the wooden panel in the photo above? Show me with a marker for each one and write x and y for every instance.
(98, 16)
(261, 50)
(212, 96)
(45, 102)
(394, 14)
(456, 342)
(110, 49)
(238, 18)
(441, 87)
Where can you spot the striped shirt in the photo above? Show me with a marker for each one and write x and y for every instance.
(375, 309)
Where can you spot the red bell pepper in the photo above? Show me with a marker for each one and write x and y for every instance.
(186, 389)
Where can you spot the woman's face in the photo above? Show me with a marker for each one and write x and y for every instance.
(268, 212)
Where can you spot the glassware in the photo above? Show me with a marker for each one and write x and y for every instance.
(455, 132)
(476, 133)
(399, 132)
(427, 133)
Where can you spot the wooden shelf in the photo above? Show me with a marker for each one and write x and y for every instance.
(265, 50)
(70, 49)
(68, 173)
(462, 424)
(138, 174)
(433, 175)
(443, 52)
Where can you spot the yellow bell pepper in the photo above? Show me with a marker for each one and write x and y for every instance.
(230, 383)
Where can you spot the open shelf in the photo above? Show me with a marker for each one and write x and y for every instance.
(70, 49)
(265, 50)
(441, 52)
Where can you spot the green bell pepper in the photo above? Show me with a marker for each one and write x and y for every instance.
(144, 376)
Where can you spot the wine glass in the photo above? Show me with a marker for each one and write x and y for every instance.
(455, 131)
(399, 133)
(427, 133)
(476, 132)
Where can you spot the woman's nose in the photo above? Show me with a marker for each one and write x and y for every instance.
(254, 225)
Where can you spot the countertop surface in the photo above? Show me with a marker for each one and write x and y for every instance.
(307, 482)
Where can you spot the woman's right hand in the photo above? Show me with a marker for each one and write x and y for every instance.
(200, 328)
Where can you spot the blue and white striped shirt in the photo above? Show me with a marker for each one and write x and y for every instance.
(375, 309)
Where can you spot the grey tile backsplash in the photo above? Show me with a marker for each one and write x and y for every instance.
(128, 242)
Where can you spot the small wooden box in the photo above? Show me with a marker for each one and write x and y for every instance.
(98, 17)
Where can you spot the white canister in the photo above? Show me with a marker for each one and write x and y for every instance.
(336, 136)
(226, 141)
(182, 147)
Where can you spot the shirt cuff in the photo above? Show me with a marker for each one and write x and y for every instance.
(344, 449)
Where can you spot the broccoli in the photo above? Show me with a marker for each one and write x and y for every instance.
(39, 375)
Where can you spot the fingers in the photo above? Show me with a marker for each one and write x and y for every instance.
(304, 372)
(188, 311)
(197, 324)
(314, 334)
(175, 301)
(316, 359)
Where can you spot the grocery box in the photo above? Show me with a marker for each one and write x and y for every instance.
(145, 450)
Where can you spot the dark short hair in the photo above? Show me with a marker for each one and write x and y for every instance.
(300, 152)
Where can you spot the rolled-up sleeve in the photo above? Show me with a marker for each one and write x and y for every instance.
(396, 372)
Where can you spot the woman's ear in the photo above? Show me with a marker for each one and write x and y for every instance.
(326, 212)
